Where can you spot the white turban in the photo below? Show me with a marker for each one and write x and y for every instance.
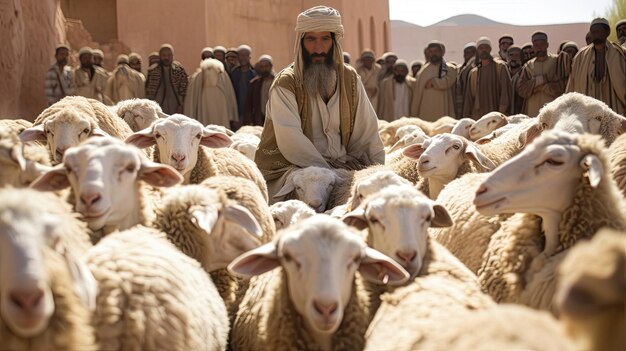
(317, 19)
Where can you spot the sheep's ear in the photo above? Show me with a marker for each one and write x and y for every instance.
(53, 180)
(35, 133)
(356, 219)
(83, 282)
(486, 139)
(413, 151)
(157, 174)
(477, 156)
(244, 218)
(593, 166)
(287, 189)
(99, 132)
(529, 135)
(142, 139)
(378, 268)
(204, 217)
(399, 144)
(162, 114)
(442, 217)
(354, 202)
(18, 156)
(214, 139)
(503, 120)
(254, 262)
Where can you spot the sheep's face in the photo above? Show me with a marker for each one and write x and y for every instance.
(320, 256)
(487, 124)
(540, 180)
(140, 117)
(406, 130)
(178, 138)
(417, 136)
(103, 173)
(247, 145)
(311, 185)
(398, 218)
(441, 156)
(462, 127)
(26, 302)
(374, 183)
(12, 162)
(289, 212)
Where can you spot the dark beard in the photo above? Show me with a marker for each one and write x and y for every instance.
(515, 64)
(598, 41)
(400, 79)
(435, 59)
(320, 79)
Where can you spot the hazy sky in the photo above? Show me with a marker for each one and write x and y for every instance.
(519, 12)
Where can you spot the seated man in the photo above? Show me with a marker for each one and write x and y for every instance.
(318, 113)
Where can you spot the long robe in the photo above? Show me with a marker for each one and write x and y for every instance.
(125, 83)
(326, 148)
(369, 77)
(211, 97)
(92, 86)
(552, 84)
(612, 88)
(387, 99)
(461, 84)
(488, 89)
(437, 101)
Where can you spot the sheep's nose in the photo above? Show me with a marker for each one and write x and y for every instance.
(473, 130)
(325, 308)
(178, 157)
(481, 190)
(26, 299)
(90, 199)
(60, 151)
(315, 203)
(407, 256)
(424, 159)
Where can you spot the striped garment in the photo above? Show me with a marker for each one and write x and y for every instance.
(59, 84)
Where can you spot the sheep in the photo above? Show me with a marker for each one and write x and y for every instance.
(372, 184)
(138, 113)
(395, 151)
(46, 289)
(617, 159)
(518, 118)
(578, 113)
(462, 127)
(16, 126)
(443, 158)
(388, 132)
(246, 144)
(71, 121)
(508, 141)
(181, 141)
(20, 164)
(110, 183)
(152, 296)
(561, 191)
(251, 130)
(287, 213)
(314, 301)
(591, 293)
(487, 124)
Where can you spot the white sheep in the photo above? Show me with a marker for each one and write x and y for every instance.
(371, 184)
(153, 297)
(591, 292)
(251, 130)
(20, 164)
(197, 152)
(395, 151)
(487, 124)
(313, 300)
(287, 213)
(462, 127)
(109, 181)
(138, 113)
(562, 192)
(46, 289)
(617, 159)
(246, 144)
(72, 120)
(388, 131)
(508, 141)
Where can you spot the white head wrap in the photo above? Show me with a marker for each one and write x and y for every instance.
(317, 19)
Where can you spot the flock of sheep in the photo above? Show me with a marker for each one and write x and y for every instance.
(126, 229)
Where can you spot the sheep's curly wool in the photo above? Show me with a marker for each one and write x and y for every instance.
(153, 297)
(253, 130)
(16, 126)
(35, 152)
(149, 109)
(388, 131)
(617, 158)
(269, 321)
(508, 144)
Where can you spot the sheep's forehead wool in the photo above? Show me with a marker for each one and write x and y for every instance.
(324, 238)
(394, 198)
(101, 147)
(572, 104)
(191, 195)
(313, 175)
(378, 181)
(443, 141)
(178, 122)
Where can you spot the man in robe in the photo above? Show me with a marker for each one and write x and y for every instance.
(386, 69)
(515, 68)
(258, 92)
(318, 113)
(571, 48)
(231, 59)
(134, 61)
(241, 77)
(59, 81)
(416, 65)
(125, 83)
(504, 43)
(396, 92)
(153, 59)
(206, 53)
(433, 95)
(368, 70)
(90, 80)
(488, 85)
(211, 98)
(219, 53)
(346, 57)
(620, 28)
(469, 62)
(98, 57)
(527, 53)
(588, 38)
(599, 69)
(542, 79)
(167, 82)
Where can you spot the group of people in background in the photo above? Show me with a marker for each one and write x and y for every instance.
(226, 89)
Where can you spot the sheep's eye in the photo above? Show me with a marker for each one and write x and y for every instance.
(374, 220)
(157, 134)
(456, 147)
(69, 169)
(544, 125)
(553, 162)
(298, 188)
(429, 218)
(130, 168)
(86, 130)
(198, 136)
(287, 257)
(355, 261)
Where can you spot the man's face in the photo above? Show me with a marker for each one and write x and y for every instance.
(527, 54)
(571, 51)
(264, 68)
(598, 34)
(484, 51)
(434, 54)
(243, 57)
(166, 56)
(415, 69)
(219, 55)
(390, 61)
(515, 58)
(153, 59)
(97, 60)
(540, 47)
(86, 60)
(400, 72)
(135, 64)
(231, 59)
(317, 45)
(468, 53)
(621, 33)
(61, 56)
(504, 44)
(207, 55)
(368, 62)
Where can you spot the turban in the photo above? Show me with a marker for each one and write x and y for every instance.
(620, 23)
(470, 45)
(539, 35)
(134, 56)
(527, 45)
(84, 51)
(389, 54)
(231, 51)
(98, 52)
(267, 58)
(207, 49)
(219, 48)
(570, 44)
(483, 41)
(401, 63)
(368, 53)
(506, 36)
(166, 46)
(154, 53)
(244, 47)
(601, 21)
(513, 48)
(318, 19)
(416, 63)
(435, 44)
(122, 59)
